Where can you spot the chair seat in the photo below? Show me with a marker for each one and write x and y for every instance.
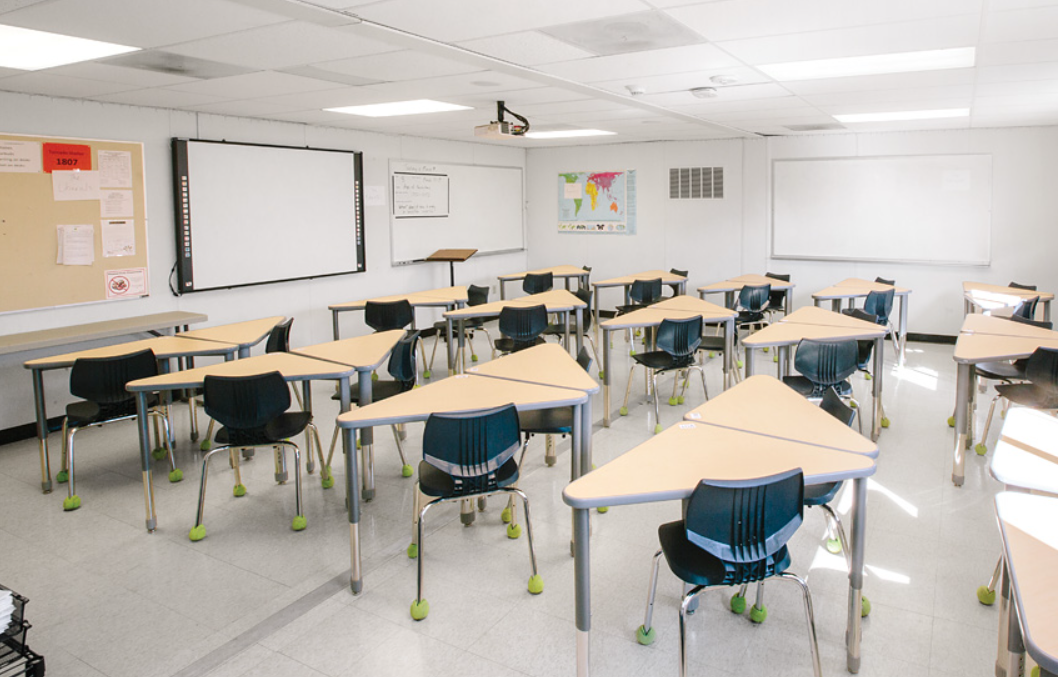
(560, 329)
(442, 327)
(622, 310)
(821, 494)
(278, 429)
(806, 388)
(662, 361)
(83, 412)
(380, 390)
(1028, 395)
(507, 345)
(749, 317)
(1002, 371)
(714, 344)
(439, 484)
(697, 567)
(558, 421)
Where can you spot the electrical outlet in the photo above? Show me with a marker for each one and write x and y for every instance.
(494, 289)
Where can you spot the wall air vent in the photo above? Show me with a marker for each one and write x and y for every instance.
(696, 183)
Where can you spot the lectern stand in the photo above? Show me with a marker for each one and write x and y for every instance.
(452, 256)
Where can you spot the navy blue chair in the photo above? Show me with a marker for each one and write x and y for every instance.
(469, 455)
(476, 296)
(100, 383)
(549, 422)
(732, 533)
(777, 297)
(253, 413)
(522, 327)
(388, 315)
(537, 283)
(677, 342)
(559, 330)
(642, 293)
(824, 365)
(676, 287)
(1027, 309)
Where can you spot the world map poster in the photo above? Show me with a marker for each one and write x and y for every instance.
(597, 202)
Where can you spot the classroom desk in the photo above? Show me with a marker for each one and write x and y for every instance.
(729, 287)
(676, 308)
(557, 301)
(164, 347)
(365, 354)
(447, 297)
(1030, 558)
(461, 393)
(291, 366)
(804, 325)
(626, 281)
(670, 465)
(243, 334)
(558, 272)
(853, 288)
(92, 331)
(991, 297)
(972, 348)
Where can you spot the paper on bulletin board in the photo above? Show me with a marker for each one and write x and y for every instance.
(114, 204)
(76, 245)
(75, 185)
(20, 156)
(67, 156)
(119, 237)
(126, 282)
(115, 168)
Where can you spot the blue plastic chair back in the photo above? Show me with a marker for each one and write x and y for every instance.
(826, 363)
(645, 292)
(745, 521)
(470, 447)
(832, 404)
(584, 359)
(1042, 324)
(680, 338)
(103, 379)
(1042, 369)
(246, 402)
(523, 324)
(402, 360)
(477, 296)
(1027, 309)
(388, 315)
(880, 303)
(584, 294)
(777, 297)
(1026, 287)
(882, 280)
(279, 337)
(754, 299)
(536, 283)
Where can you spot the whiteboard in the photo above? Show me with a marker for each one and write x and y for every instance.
(419, 195)
(485, 210)
(912, 209)
(257, 214)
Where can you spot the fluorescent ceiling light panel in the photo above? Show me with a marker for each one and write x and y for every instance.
(875, 64)
(383, 110)
(567, 133)
(899, 115)
(29, 50)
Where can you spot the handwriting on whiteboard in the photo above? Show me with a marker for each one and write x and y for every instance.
(420, 195)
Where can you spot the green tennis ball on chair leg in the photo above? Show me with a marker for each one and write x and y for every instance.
(420, 609)
(71, 502)
(427, 374)
(758, 614)
(158, 453)
(299, 523)
(865, 607)
(413, 550)
(197, 533)
(326, 478)
(623, 411)
(986, 596)
(738, 603)
(951, 421)
(62, 477)
(981, 448)
(514, 531)
(473, 358)
(657, 428)
(673, 401)
(505, 515)
(646, 637)
(406, 470)
(536, 584)
(885, 423)
(176, 475)
(833, 546)
(239, 490)
(204, 445)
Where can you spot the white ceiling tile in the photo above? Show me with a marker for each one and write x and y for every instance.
(891, 106)
(799, 115)
(397, 66)
(958, 92)
(1042, 100)
(247, 108)
(41, 82)
(327, 98)
(12, 5)
(1029, 51)
(684, 81)
(521, 97)
(142, 23)
(562, 107)
(454, 88)
(1018, 72)
(959, 31)
(708, 107)
(997, 5)
(294, 43)
(1031, 88)
(643, 64)
(137, 77)
(471, 19)
(1040, 23)
(863, 83)
(158, 98)
(995, 106)
(528, 48)
(255, 85)
(719, 21)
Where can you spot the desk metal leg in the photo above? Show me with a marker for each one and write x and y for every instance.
(1005, 617)
(585, 436)
(367, 438)
(565, 324)
(963, 385)
(451, 347)
(729, 357)
(503, 296)
(334, 324)
(859, 535)
(352, 494)
(607, 377)
(903, 328)
(783, 353)
(145, 460)
(879, 372)
(462, 354)
(595, 310)
(749, 361)
(42, 430)
(580, 328)
(306, 405)
(789, 302)
(582, 588)
(729, 300)
(835, 305)
(1046, 311)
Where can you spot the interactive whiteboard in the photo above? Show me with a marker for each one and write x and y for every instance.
(912, 209)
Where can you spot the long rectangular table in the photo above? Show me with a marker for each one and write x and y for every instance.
(92, 331)
(670, 465)
(558, 272)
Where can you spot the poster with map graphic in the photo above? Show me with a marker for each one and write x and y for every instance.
(597, 202)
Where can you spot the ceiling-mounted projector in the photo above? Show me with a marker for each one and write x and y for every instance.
(499, 128)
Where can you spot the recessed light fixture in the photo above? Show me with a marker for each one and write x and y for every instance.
(567, 133)
(28, 50)
(382, 110)
(704, 92)
(875, 64)
(485, 83)
(723, 79)
(899, 115)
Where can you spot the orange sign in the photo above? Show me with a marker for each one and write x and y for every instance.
(65, 156)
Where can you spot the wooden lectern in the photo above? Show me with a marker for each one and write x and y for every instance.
(452, 256)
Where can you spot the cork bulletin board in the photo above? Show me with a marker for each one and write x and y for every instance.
(73, 222)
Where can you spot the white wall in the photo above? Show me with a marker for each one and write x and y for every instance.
(306, 301)
(715, 239)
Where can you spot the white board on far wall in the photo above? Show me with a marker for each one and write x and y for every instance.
(911, 209)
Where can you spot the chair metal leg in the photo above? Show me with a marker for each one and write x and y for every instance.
(299, 515)
(645, 634)
(319, 448)
(419, 540)
(192, 415)
(433, 354)
(528, 527)
(198, 532)
(839, 528)
(400, 451)
(657, 413)
(281, 475)
(687, 599)
(68, 464)
(809, 616)
(233, 459)
(982, 445)
(628, 390)
(174, 474)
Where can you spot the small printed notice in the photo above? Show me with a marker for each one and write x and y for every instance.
(955, 180)
(76, 245)
(115, 204)
(115, 168)
(75, 185)
(374, 196)
(20, 156)
(127, 282)
(119, 238)
(65, 156)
